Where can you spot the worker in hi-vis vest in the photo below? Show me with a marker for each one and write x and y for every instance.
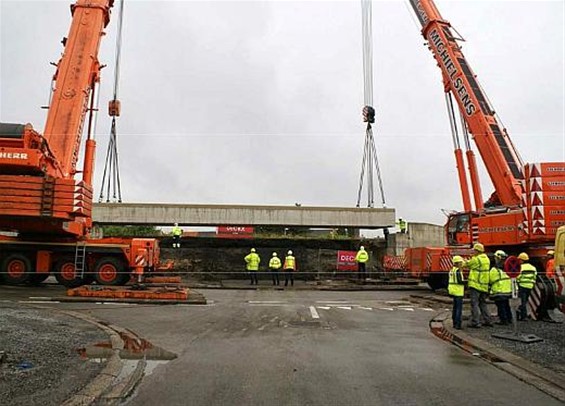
(289, 268)
(274, 266)
(177, 233)
(252, 261)
(456, 289)
(479, 268)
(526, 281)
(361, 258)
(402, 225)
(501, 288)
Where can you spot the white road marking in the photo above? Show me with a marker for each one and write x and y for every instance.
(265, 301)
(386, 308)
(119, 304)
(408, 309)
(397, 302)
(344, 307)
(37, 301)
(365, 308)
(427, 309)
(314, 312)
(332, 301)
(268, 304)
(39, 298)
(324, 307)
(406, 306)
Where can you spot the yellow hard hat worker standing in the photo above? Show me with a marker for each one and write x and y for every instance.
(479, 267)
(361, 258)
(289, 268)
(274, 266)
(252, 261)
(456, 289)
(501, 288)
(526, 281)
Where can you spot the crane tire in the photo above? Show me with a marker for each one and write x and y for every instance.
(110, 271)
(65, 273)
(16, 269)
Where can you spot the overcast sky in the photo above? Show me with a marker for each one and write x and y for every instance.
(258, 102)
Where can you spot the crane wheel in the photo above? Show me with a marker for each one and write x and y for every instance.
(65, 273)
(16, 269)
(111, 271)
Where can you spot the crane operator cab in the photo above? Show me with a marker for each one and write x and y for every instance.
(458, 229)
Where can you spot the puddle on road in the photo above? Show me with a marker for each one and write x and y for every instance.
(135, 349)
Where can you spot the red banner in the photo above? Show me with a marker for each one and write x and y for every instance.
(234, 232)
(346, 261)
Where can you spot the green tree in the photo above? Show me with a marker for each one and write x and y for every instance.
(130, 231)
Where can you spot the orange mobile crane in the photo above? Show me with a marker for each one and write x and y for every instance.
(527, 205)
(44, 205)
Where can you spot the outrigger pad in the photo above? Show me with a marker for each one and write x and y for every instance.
(127, 292)
(522, 338)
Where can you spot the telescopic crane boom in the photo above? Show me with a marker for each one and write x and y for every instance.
(501, 159)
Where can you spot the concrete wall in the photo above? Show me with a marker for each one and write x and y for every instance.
(418, 235)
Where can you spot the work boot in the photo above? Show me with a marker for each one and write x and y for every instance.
(473, 325)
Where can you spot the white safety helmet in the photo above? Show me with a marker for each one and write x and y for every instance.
(252, 249)
(289, 252)
(176, 224)
(274, 254)
(361, 248)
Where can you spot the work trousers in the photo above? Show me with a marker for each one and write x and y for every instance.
(479, 309)
(361, 270)
(176, 241)
(524, 295)
(289, 275)
(254, 278)
(275, 276)
(503, 307)
(457, 313)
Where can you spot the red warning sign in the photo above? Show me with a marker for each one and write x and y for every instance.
(346, 261)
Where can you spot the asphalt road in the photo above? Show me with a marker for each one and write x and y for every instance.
(308, 348)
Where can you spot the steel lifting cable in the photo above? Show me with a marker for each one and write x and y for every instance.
(111, 175)
(370, 161)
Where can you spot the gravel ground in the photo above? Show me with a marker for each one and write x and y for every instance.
(550, 352)
(41, 365)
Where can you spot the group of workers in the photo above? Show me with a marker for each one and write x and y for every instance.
(252, 261)
(484, 281)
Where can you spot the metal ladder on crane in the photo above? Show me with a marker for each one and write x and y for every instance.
(80, 258)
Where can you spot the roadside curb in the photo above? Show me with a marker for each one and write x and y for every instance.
(536, 375)
(103, 381)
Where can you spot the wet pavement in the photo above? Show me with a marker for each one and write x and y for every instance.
(309, 348)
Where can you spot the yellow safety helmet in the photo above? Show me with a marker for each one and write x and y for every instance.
(523, 256)
(252, 249)
(551, 252)
(479, 247)
(500, 254)
(458, 259)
